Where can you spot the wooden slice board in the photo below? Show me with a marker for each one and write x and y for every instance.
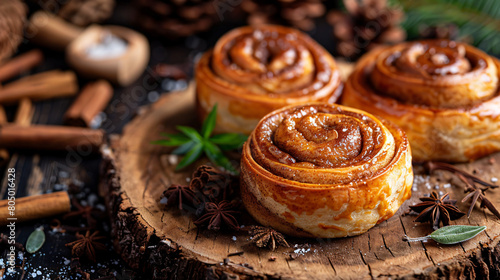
(167, 245)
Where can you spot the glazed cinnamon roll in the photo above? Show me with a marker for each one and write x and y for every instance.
(254, 70)
(443, 94)
(323, 170)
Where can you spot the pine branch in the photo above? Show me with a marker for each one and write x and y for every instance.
(478, 21)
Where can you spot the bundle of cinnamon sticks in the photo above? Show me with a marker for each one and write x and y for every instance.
(20, 134)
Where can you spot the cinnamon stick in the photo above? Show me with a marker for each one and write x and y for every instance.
(3, 116)
(40, 86)
(51, 137)
(92, 100)
(35, 207)
(20, 64)
(24, 113)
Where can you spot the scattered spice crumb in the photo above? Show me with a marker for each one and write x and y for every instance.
(420, 179)
(272, 258)
(494, 179)
(170, 71)
(301, 251)
(173, 159)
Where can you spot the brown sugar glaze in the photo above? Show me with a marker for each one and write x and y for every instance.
(443, 94)
(254, 70)
(326, 165)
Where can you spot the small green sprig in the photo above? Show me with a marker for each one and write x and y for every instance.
(193, 144)
(450, 234)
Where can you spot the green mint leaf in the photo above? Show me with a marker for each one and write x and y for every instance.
(209, 123)
(456, 233)
(179, 137)
(193, 143)
(174, 140)
(215, 155)
(229, 141)
(190, 132)
(35, 240)
(191, 156)
(184, 148)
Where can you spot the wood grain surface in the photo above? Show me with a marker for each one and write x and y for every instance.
(167, 245)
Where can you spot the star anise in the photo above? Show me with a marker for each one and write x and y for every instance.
(267, 237)
(437, 209)
(213, 184)
(88, 213)
(218, 214)
(178, 195)
(476, 193)
(86, 245)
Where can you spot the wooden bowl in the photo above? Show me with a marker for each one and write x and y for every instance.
(123, 69)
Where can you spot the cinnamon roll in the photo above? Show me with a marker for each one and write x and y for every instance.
(443, 94)
(252, 71)
(323, 170)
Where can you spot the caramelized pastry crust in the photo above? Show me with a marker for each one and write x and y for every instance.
(254, 70)
(443, 94)
(323, 170)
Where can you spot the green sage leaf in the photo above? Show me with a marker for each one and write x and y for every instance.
(35, 240)
(190, 132)
(191, 156)
(229, 141)
(209, 123)
(456, 233)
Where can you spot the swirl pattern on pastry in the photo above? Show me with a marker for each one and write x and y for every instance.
(443, 94)
(254, 70)
(322, 170)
